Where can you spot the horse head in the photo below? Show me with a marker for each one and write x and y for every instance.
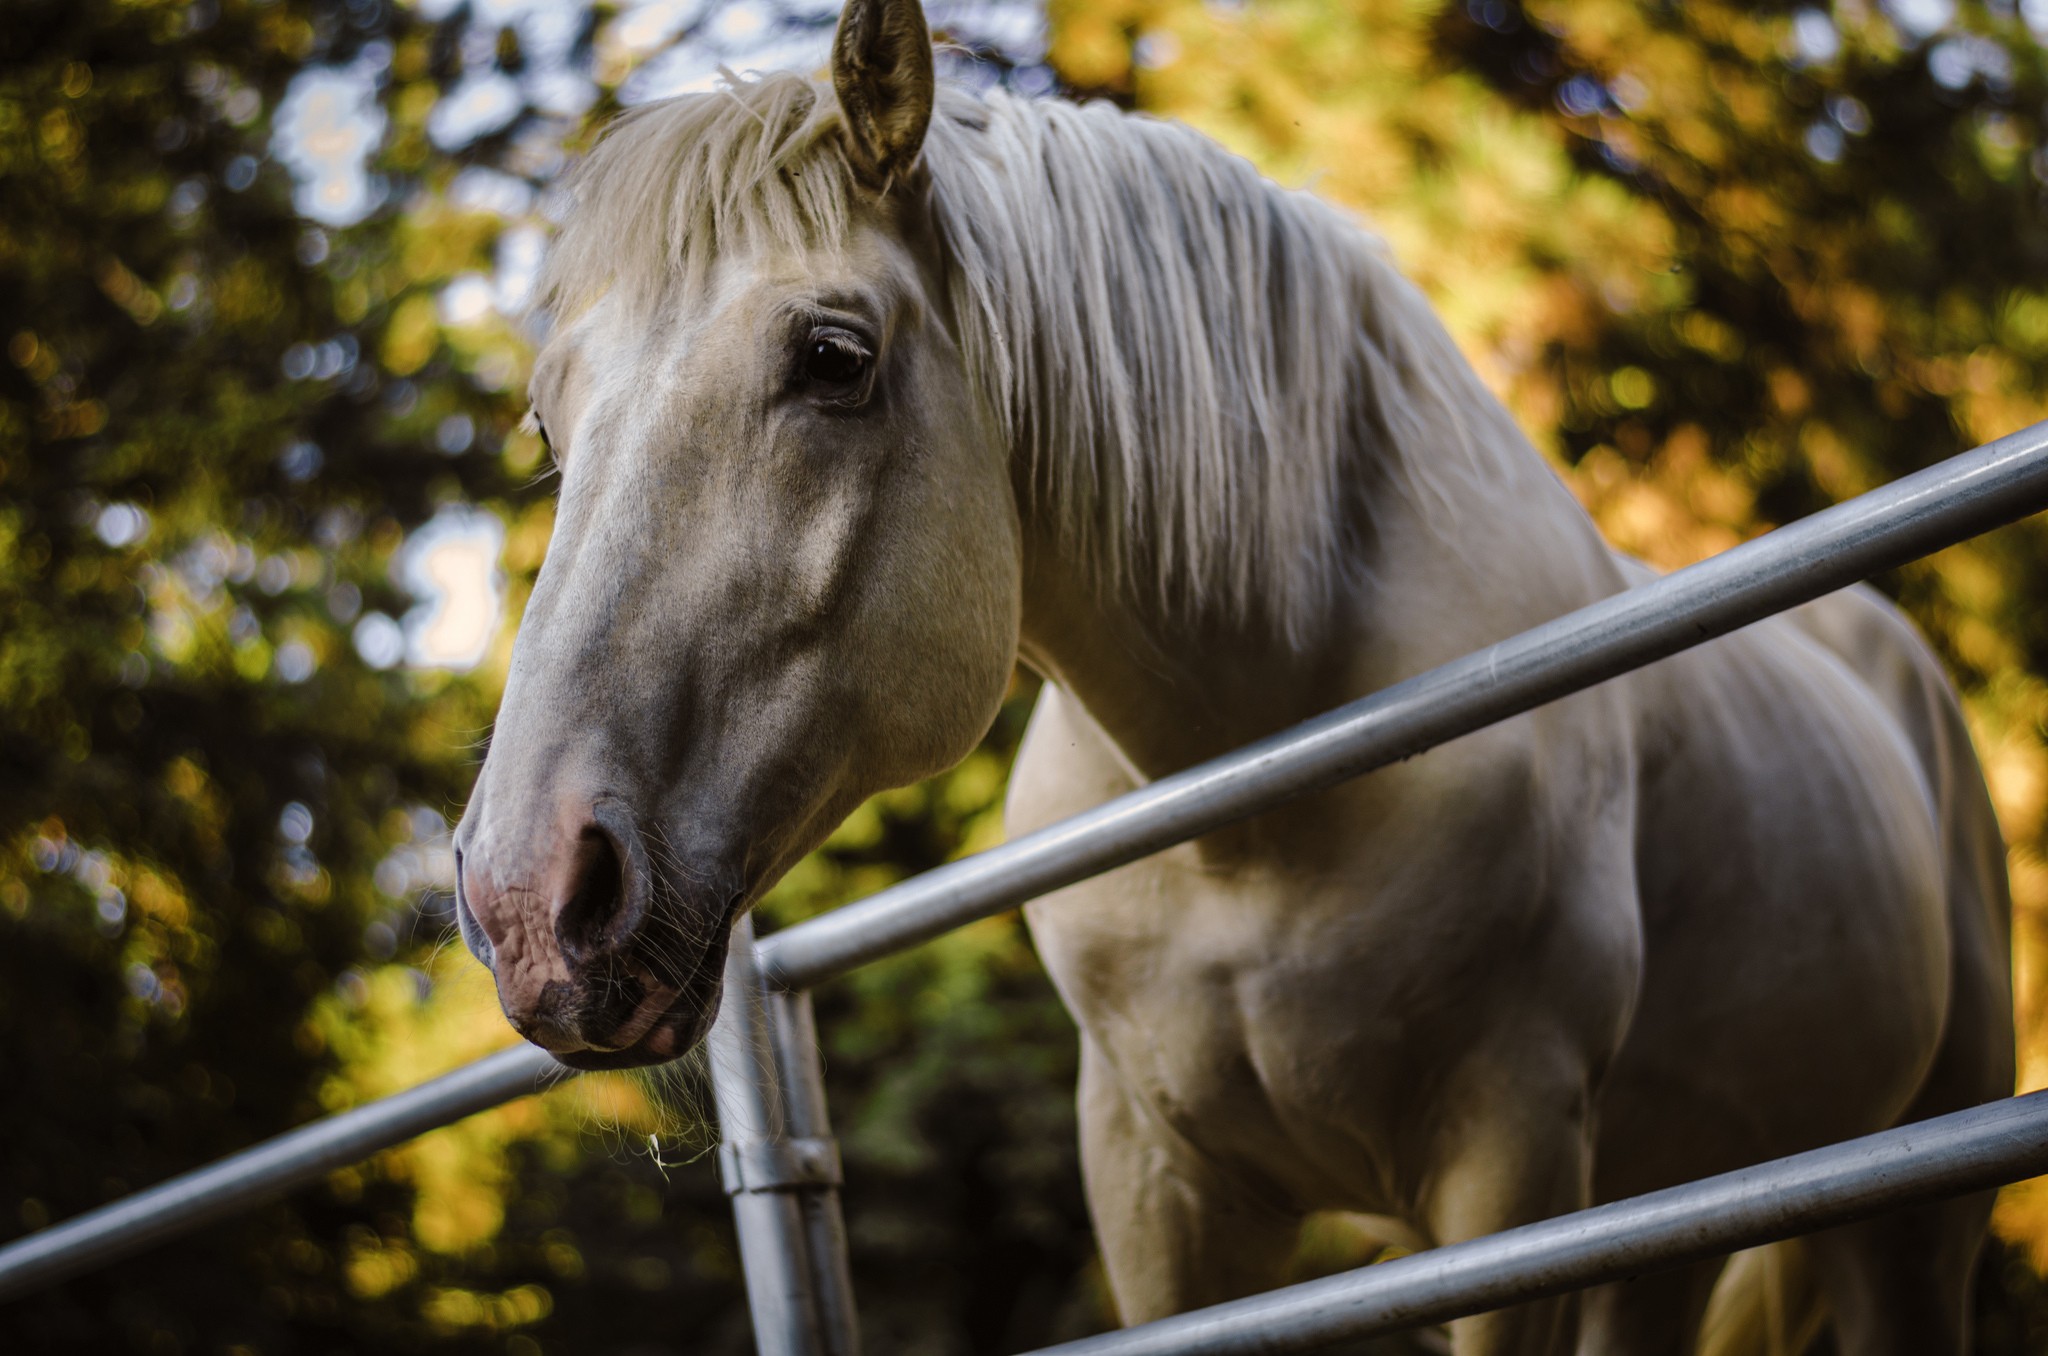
(784, 573)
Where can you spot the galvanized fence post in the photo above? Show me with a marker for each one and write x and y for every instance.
(780, 1164)
(794, 1031)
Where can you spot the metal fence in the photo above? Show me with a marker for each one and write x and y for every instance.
(781, 1166)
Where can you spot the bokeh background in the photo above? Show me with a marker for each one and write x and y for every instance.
(267, 520)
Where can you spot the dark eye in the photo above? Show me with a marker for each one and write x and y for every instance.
(547, 447)
(834, 358)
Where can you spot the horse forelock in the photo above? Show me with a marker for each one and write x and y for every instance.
(671, 183)
(1196, 362)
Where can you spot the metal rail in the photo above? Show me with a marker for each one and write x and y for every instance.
(1951, 1155)
(253, 1176)
(1944, 504)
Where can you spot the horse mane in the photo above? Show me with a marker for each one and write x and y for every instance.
(1199, 364)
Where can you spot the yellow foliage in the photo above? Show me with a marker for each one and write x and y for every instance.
(410, 338)
(452, 1310)
(396, 1027)
(158, 897)
(375, 1267)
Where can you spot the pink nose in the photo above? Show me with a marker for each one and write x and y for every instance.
(554, 915)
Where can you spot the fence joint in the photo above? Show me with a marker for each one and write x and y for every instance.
(779, 1165)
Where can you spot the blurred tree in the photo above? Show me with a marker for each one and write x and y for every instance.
(203, 477)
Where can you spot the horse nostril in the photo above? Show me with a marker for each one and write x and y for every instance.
(473, 935)
(602, 904)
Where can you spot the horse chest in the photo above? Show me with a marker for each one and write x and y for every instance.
(1290, 999)
(1294, 1026)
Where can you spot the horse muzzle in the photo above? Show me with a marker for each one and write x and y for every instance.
(606, 954)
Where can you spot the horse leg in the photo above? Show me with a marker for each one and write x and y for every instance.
(1516, 1154)
(1900, 1285)
(1651, 1316)
(1175, 1233)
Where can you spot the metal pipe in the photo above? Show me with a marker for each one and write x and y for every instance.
(1951, 1155)
(778, 1181)
(794, 1029)
(272, 1168)
(1921, 513)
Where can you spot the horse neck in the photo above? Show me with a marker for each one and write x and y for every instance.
(1438, 574)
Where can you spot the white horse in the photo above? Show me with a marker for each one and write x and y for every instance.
(862, 393)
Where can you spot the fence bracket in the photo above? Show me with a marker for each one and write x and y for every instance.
(779, 1165)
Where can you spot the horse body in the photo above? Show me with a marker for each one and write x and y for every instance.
(846, 430)
(1700, 917)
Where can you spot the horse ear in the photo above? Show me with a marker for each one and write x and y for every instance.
(882, 73)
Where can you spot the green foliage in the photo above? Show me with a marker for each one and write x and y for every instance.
(198, 773)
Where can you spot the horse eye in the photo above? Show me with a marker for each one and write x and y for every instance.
(835, 358)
